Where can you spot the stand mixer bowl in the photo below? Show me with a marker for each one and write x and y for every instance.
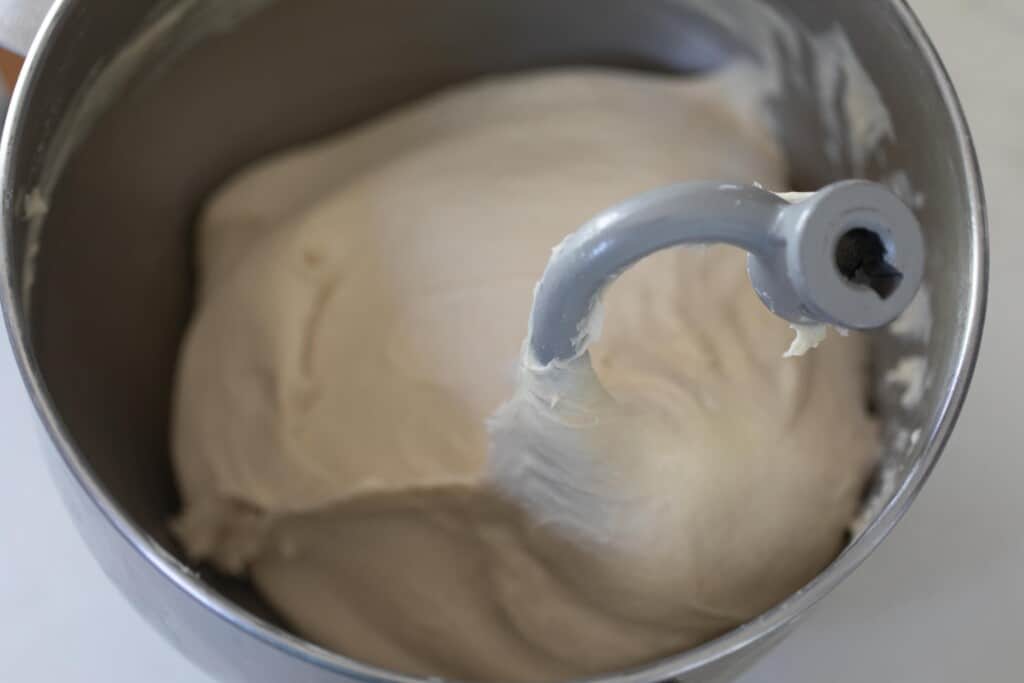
(130, 112)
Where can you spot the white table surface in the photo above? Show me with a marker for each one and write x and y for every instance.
(942, 601)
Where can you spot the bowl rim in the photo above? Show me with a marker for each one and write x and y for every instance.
(772, 621)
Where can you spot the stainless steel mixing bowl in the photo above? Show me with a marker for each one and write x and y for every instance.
(130, 112)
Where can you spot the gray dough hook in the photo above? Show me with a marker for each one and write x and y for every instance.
(849, 255)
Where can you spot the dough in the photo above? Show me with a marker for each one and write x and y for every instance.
(362, 305)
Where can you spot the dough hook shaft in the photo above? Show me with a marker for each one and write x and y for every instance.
(849, 255)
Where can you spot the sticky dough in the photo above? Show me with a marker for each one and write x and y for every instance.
(362, 306)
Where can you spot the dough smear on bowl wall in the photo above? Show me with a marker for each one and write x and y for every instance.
(362, 305)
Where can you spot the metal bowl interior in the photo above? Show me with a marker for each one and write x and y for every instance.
(111, 266)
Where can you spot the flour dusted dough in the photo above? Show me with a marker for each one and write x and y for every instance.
(362, 305)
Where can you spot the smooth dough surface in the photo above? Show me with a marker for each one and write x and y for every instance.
(362, 305)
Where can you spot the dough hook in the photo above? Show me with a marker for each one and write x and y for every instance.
(849, 255)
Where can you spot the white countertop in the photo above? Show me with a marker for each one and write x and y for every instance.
(942, 601)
